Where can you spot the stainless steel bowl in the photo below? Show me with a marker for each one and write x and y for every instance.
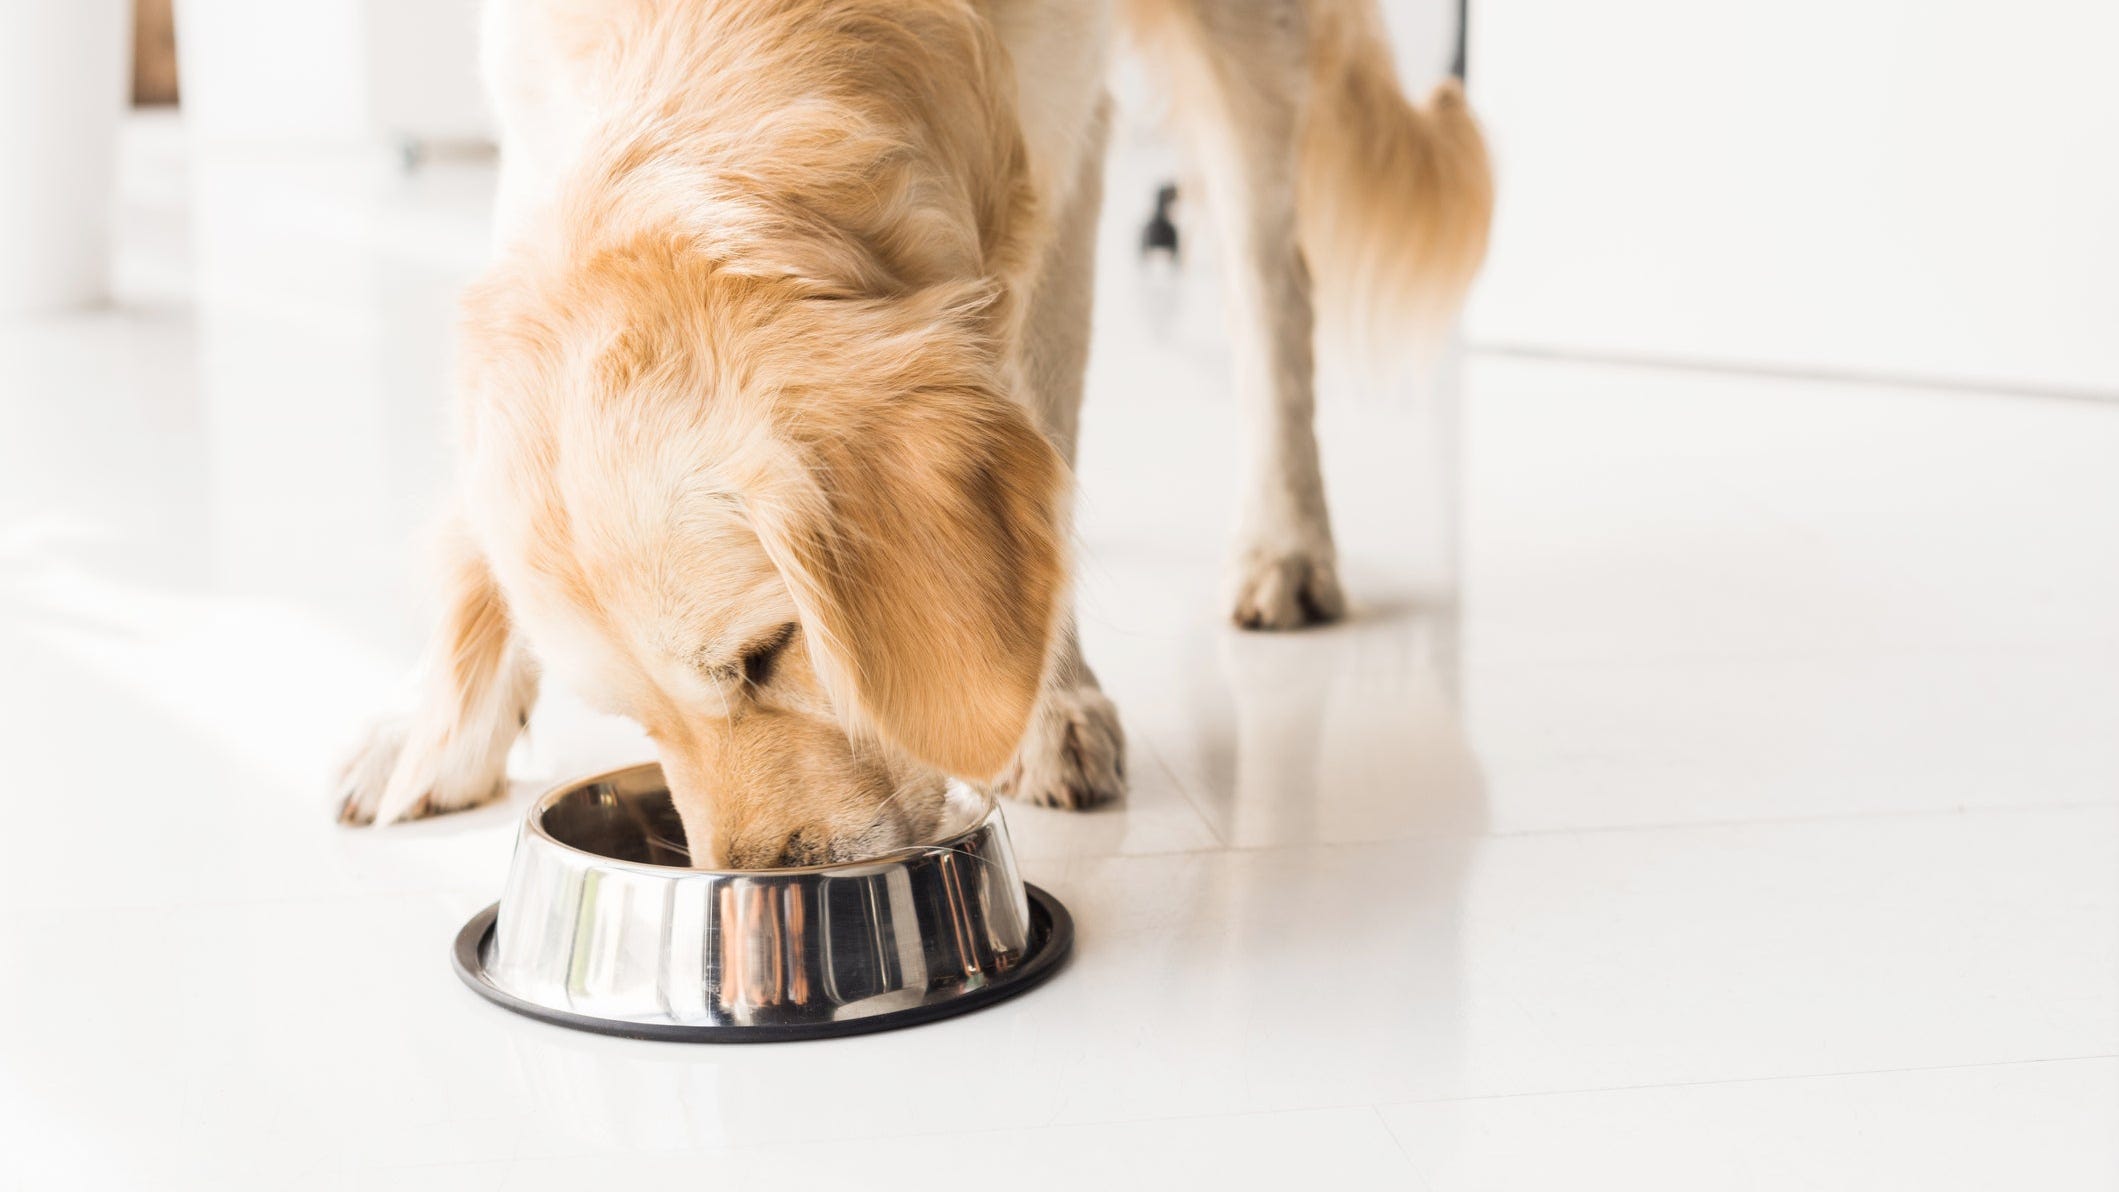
(604, 927)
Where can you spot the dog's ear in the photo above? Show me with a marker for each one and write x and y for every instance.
(923, 546)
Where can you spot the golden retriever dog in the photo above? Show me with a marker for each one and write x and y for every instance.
(769, 401)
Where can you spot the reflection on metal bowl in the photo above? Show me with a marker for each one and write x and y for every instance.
(604, 928)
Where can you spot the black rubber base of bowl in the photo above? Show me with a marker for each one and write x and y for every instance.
(1051, 938)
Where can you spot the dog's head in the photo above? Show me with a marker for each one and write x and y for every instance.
(804, 539)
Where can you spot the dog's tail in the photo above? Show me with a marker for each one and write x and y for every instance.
(1394, 198)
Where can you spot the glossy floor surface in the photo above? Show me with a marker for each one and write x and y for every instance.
(1716, 786)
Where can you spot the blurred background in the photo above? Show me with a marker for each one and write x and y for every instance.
(1889, 188)
(1715, 786)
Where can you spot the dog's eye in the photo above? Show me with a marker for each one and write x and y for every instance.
(759, 660)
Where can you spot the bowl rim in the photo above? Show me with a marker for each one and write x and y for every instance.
(533, 825)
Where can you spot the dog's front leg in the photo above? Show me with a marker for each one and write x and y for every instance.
(476, 686)
(1074, 752)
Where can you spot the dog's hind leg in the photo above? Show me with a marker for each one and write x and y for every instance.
(476, 687)
(1074, 752)
(1238, 70)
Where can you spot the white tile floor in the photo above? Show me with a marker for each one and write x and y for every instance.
(1717, 786)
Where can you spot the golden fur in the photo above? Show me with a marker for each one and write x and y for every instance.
(756, 406)
(1393, 199)
(766, 345)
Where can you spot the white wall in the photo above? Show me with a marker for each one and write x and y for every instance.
(271, 70)
(1919, 187)
(330, 71)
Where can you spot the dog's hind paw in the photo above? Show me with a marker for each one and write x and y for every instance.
(1073, 756)
(1287, 590)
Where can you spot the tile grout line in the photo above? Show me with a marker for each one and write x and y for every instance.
(1192, 803)
(1419, 1179)
(1827, 817)
(1516, 350)
(1850, 1073)
(1035, 859)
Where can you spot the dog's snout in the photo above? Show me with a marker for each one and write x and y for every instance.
(805, 846)
(819, 843)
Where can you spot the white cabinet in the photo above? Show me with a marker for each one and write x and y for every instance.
(1919, 188)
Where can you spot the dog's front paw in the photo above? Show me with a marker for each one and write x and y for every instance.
(392, 776)
(1287, 589)
(1074, 754)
